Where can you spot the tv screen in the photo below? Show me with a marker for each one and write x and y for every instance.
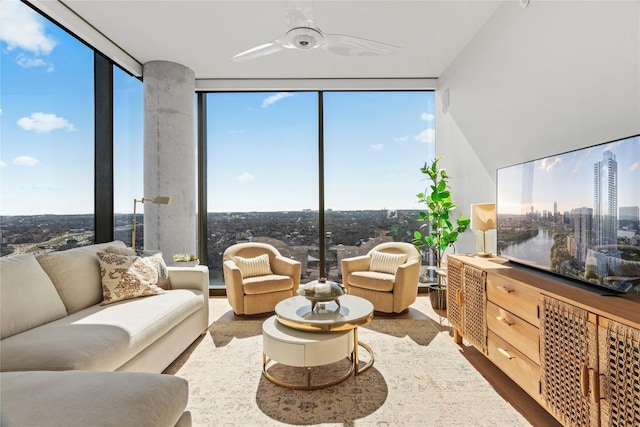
(575, 214)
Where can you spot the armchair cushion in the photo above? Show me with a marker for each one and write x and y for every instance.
(267, 284)
(251, 267)
(384, 262)
(373, 280)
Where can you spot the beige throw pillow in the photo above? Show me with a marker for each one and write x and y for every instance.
(161, 268)
(386, 263)
(119, 250)
(250, 267)
(126, 277)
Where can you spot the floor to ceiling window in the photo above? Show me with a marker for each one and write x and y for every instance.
(47, 128)
(128, 129)
(263, 173)
(374, 146)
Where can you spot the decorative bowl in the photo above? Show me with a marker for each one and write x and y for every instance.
(322, 291)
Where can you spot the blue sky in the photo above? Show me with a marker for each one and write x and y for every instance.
(262, 146)
(568, 179)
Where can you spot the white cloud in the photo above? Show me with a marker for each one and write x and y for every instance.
(275, 98)
(22, 28)
(245, 177)
(634, 166)
(548, 164)
(0, 111)
(30, 62)
(401, 138)
(426, 136)
(2, 163)
(376, 147)
(25, 161)
(427, 117)
(237, 131)
(44, 122)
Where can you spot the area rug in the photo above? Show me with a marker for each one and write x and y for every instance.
(419, 378)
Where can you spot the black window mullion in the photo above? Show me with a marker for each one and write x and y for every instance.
(103, 140)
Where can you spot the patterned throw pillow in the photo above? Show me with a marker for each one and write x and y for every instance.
(250, 267)
(386, 263)
(155, 259)
(126, 277)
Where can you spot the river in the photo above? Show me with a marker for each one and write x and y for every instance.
(538, 248)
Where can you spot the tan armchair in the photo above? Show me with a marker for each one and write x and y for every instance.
(257, 277)
(387, 276)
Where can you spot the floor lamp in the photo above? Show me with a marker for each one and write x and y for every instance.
(159, 200)
(483, 218)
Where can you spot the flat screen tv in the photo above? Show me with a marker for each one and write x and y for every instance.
(575, 215)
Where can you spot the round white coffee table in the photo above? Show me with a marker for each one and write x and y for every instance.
(300, 336)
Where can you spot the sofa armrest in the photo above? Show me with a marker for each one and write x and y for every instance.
(196, 278)
(405, 289)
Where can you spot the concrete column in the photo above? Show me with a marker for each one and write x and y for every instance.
(169, 158)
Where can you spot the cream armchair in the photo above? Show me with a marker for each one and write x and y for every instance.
(257, 277)
(387, 276)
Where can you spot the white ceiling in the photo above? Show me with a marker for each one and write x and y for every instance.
(204, 35)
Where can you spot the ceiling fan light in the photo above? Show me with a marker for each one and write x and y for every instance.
(304, 38)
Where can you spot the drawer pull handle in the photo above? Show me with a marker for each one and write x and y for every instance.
(459, 297)
(504, 289)
(595, 386)
(505, 353)
(584, 380)
(505, 320)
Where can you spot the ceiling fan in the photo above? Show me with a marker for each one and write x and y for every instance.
(303, 34)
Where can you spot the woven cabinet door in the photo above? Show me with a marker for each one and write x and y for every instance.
(569, 365)
(454, 294)
(474, 295)
(619, 357)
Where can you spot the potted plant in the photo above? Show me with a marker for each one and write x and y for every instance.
(440, 229)
(186, 260)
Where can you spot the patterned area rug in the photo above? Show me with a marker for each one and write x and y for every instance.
(419, 378)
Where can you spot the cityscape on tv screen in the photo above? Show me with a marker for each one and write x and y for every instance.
(575, 214)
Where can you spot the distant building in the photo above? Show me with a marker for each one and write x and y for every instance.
(629, 213)
(605, 200)
(582, 229)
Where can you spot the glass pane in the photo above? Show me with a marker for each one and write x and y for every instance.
(375, 144)
(262, 174)
(47, 128)
(128, 140)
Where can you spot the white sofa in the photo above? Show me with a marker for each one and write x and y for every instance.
(51, 317)
(57, 341)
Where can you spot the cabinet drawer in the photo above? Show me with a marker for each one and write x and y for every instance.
(516, 365)
(518, 299)
(522, 335)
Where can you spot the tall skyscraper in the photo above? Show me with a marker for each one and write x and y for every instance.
(605, 200)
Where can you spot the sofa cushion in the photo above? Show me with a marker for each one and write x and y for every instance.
(101, 337)
(385, 262)
(76, 275)
(27, 295)
(81, 398)
(126, 277)
(251, 267)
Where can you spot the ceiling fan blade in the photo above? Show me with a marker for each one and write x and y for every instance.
(341, 44)
(262, 50)
(298, 13)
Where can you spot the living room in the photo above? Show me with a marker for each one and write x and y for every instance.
(526, 80)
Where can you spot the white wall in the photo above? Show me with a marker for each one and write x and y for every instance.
(534, 82)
